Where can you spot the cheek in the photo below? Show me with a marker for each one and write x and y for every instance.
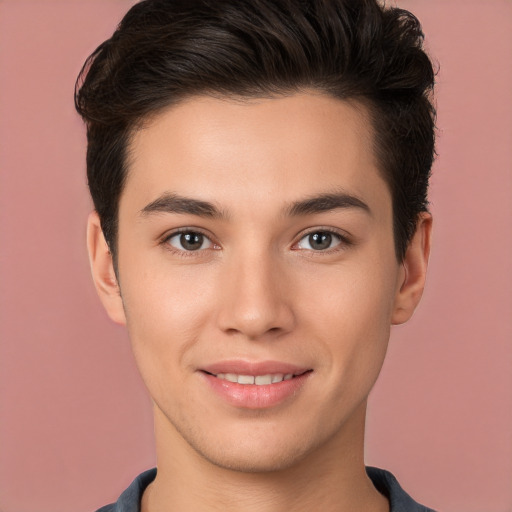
(166, 310)
(351, 320)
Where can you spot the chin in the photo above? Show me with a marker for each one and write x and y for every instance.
(253, 460)
(256, 452)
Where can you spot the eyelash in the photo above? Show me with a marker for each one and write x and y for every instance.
(183, 252)
(343, 241)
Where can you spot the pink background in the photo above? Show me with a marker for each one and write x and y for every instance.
(75, 423)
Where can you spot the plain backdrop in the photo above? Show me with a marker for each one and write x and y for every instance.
(75, 422)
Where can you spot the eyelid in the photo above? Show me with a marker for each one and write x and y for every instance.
(344, 238)
(188, 229)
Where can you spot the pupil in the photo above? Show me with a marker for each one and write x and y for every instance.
(320, 240)
(191, 241)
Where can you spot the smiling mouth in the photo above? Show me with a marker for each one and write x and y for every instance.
(258, 380)
(258, 385)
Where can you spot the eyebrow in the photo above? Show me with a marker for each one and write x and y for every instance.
(174, 203)
(326, 202)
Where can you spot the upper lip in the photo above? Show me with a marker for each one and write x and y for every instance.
(254, 368)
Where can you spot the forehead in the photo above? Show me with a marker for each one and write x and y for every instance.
(257, 150)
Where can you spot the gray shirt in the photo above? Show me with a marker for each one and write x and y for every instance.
(383, 481)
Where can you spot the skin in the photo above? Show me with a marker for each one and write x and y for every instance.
(257, 290)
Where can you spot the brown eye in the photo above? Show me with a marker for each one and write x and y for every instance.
(189, 241)
(319, 241)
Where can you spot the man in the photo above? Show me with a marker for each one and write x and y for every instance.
(259, 172)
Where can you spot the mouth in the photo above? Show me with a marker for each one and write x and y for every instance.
(256, 385)
(258, 380)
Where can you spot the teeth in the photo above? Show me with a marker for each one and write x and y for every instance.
(263, 379)
(245, 379)
(259, 380)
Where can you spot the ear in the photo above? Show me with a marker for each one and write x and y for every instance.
(102, 269)
(413, 271)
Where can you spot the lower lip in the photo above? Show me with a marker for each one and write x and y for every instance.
(253, 396)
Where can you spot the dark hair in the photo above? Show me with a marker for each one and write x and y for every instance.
(166, 50)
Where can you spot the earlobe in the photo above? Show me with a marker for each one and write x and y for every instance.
(102, 269)
(413, 272)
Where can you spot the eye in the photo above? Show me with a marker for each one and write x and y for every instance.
(319, 241)
(189, 241)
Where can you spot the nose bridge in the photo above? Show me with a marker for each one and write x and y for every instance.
(255, 301)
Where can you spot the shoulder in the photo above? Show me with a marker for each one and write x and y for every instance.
(129, 501)
(399, 500)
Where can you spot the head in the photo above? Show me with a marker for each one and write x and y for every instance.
(259, 171)
(165, 51)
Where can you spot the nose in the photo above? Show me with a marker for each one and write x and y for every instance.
(255, 298)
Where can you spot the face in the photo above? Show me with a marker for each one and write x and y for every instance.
(257, 274)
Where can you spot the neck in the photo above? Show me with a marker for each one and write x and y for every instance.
(331, 479)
